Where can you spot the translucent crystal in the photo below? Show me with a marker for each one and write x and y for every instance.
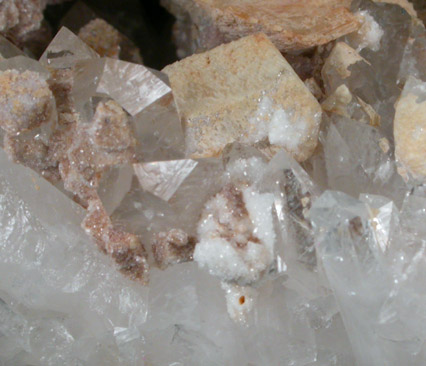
(48, 263)
(163, 179)
(8, 49)
(364, 164)
(133, 86)
(23, 63)
(114, 185)
(65, 50)
(146, 214)
(159, 131)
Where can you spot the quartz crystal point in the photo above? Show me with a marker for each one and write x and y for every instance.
(8, 49)
(364, 164)
(48, 267)
(65, 50)
(372, 259)
(204, 24)
(244, 91)
(159, 131)
(386, 37)
(163, 179)
(133, 86)
(146, 214)
(294, 192)
(410, 130)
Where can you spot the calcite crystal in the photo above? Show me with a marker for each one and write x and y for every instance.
(409, 130)
(102, 37)
(244, 91)
(290, 26)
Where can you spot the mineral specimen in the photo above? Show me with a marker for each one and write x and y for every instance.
(253, 97)
(254, 219)
(204, 24)
(409, 130)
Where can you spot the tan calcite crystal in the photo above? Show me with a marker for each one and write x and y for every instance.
(244, 91)
(410, 131)
(291, 25)
(338, 62)
(102, 37)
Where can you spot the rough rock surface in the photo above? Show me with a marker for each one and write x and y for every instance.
(244, 91)
(291, 26)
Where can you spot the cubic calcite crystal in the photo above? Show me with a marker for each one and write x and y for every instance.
(409, 130)
(253, 97)
(290, 26)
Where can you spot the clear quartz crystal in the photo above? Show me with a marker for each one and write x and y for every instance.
(65, 50)
(131, 85)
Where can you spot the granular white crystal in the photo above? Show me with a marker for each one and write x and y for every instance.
(236, 238)
(285, 132)
(370, 33)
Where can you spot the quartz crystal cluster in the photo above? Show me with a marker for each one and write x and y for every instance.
(261, 201)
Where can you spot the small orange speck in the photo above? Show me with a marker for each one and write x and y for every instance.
(242, 300)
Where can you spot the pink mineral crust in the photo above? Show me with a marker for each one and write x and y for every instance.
(102, 37)
(68, 149)
(26, 101)
(125, 248)
(27, 115)
(291, 25)
(172, 247)
(95, 146)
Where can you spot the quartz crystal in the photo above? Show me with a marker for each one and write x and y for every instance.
(122, 81)
(239, 207)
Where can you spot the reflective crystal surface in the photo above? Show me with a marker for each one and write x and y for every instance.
(240, 207)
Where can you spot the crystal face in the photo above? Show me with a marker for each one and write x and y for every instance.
(242, 206)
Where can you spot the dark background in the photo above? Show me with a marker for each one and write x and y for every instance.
(145, 22)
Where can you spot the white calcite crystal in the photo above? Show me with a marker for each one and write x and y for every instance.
(370, 33)
(244, 91)
(235, 239)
